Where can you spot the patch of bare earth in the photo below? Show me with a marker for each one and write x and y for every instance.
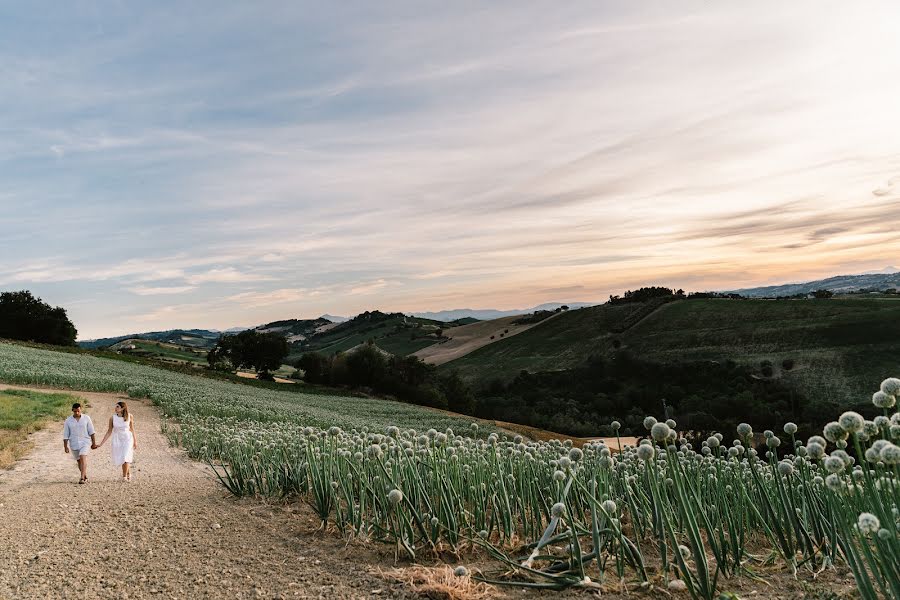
(468, 338)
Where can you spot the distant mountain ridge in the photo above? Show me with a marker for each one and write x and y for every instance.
(883, 280)
(489, 313)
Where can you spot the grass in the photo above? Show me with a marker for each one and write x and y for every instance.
(839, 346)
(22, 412)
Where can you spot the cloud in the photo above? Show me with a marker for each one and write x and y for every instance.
(258, 299)
(141, 290)
(368, 287)
(416, 155)
(225, 275)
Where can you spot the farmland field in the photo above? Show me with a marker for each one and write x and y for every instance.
(554, 515)
(185, 395)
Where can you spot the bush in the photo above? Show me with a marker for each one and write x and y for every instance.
(787, 364)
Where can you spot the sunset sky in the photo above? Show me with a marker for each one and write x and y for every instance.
(204, 165)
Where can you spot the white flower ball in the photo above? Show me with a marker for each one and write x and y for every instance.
(868, 523)
(649, 422)
(851, 421)
(833, 432)
(395, 497)
(891, 386)
(660, 432)
(833, 464)
(890, 454)
(645, 452)
(882, 400)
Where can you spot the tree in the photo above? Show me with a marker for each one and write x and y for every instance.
(823, 294)
(459, 396)
(24, 317)
(316, 367)
(366, 366)
(250, 349)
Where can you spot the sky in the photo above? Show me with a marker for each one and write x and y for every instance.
(212, 164)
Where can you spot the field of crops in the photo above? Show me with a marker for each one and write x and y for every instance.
(185, 396)
(663, 513)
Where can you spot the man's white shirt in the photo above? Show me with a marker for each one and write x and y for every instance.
(78, 432)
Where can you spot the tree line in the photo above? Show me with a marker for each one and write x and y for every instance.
(28, 318)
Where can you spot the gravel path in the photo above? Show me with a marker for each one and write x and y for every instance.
(171, 533)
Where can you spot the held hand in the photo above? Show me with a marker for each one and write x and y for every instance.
(94, 446)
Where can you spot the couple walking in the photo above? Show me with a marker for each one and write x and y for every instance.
(78, 439)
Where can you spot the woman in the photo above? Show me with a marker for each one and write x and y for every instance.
(124, 443)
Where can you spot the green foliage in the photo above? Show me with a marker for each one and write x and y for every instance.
(250, 349)
(582, 401)
(645, 293)
(24, 317)
(22, 408)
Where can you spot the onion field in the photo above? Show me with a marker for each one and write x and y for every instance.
(664, 513)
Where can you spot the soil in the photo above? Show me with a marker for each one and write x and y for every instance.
(173, 532)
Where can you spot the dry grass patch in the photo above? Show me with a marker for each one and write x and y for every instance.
(440, 583)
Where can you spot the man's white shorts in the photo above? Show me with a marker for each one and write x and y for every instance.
(76, 454)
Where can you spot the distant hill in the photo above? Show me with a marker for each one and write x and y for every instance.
(297, 330)
(393, 332)
(334, 319)
(489, 313)
(833, 351)
(886, 279)
(192, 338)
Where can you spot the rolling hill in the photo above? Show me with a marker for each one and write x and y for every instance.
(832, 350)
(192, 338)
(393, 332)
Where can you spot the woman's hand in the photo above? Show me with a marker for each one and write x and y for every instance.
(135, 446)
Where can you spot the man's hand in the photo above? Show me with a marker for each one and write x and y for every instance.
(66, 449)
(94, 446)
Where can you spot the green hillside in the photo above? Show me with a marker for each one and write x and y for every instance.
(829, 350)
(161, 351)
(394, 332)
(562, 342)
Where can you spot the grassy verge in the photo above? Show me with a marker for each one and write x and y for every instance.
(23, 412)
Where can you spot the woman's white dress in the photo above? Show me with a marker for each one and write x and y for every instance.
(122, 441)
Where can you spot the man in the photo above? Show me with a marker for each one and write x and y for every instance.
(78, 438)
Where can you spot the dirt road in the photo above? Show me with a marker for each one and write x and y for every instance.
(171, 533)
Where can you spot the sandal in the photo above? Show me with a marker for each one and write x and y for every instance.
(81, 481)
